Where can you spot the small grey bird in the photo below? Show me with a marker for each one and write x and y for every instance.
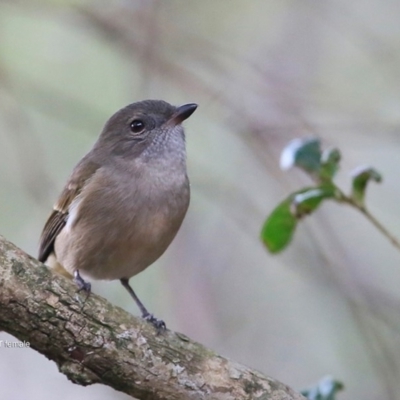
(124, 201)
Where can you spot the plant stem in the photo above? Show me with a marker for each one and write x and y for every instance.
(378, 225)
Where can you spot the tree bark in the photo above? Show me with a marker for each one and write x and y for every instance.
(93, 341)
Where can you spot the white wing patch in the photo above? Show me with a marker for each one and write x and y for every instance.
(73, 213)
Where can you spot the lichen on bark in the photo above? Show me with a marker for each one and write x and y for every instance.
(93, 341)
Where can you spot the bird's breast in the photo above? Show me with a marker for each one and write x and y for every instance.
(125, 221)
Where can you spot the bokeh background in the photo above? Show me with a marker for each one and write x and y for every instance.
(263, 73)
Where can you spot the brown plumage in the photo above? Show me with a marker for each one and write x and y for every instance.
(125, 200)
(58, 217)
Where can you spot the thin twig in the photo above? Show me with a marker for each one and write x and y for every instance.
(378, 225)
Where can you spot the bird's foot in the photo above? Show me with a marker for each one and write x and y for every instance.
(82, 284)
(159, 324)
(85, 286)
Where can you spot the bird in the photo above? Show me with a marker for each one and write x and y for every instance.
(124, 202)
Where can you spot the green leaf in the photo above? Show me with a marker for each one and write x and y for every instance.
(361, 177)
(303, 153)
(325, 389)
(329, 164)
(279, 227)
(307, 201)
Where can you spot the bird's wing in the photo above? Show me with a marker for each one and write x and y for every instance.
(59, 216)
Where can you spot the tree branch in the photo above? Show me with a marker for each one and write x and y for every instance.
(92, 341)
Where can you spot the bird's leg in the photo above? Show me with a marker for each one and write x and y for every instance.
(82, 284)
(158, 323)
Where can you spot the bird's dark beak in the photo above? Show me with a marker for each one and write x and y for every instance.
(182, 113)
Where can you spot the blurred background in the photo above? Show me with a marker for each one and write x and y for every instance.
(263, 73)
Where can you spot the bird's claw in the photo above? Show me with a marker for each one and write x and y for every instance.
(81, 283)
(159, 324)
(85, 286)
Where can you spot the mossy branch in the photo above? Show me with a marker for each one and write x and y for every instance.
(93, 341)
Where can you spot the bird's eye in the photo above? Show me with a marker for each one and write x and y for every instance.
(137, 126)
